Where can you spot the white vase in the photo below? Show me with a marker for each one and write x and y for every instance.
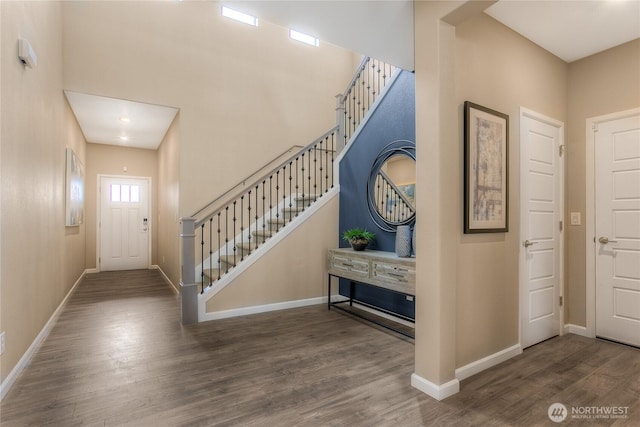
(403, 241)
(413, 240)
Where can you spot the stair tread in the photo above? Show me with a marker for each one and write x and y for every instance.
(307, 196)
(247, 245)
(212, 273)
(293, 208)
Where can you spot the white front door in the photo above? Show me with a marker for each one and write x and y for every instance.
(124, 223)
(617, 238)
(541, 180)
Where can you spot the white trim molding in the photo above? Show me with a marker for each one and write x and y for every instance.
(243, 311)
(438, 392)
(577, 330)
(490, 361)
(33, 348)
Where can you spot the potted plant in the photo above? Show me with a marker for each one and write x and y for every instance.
(358, 238)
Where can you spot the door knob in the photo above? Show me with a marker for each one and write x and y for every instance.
(527, 243)
(605, 240)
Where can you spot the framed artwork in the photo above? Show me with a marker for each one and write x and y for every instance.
(74, 214)
(486, 169)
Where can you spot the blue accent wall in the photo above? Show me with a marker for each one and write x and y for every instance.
(394, 119)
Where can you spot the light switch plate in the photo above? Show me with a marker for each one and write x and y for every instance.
(575, 218)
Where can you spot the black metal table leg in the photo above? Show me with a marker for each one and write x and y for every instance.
(329, 292)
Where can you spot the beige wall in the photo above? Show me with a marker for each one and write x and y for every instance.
(168, 191)
(600, 84)
(245, 93)
(499, 69)
(42, 258)
(111, 160)
(295, 269)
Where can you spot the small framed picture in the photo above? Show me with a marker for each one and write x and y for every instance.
(486, 170)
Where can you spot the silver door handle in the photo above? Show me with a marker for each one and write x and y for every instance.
(527, 243)
(605, 240)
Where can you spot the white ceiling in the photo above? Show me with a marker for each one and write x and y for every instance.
(382, 29)
(101, 120)
(571, 30)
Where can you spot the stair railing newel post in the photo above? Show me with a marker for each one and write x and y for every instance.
(188, 285)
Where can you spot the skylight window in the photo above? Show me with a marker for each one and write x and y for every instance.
(239, 16)
(304, 38)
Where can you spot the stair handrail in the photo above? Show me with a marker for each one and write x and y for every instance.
(243, 182)
(363, 63)
(265, 176)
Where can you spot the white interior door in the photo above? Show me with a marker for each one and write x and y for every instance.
(617, 212)
(124, 223)
(541, 180)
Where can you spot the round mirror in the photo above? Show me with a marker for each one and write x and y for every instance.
(391, 186)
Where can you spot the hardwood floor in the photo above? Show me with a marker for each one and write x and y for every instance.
(118, 356)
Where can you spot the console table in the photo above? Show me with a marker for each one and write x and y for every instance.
(377, 268)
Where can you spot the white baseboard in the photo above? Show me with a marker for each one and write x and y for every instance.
(487, 362)
(224, 314)
(438, 392)
(31, 351)
(577, 330)
(174, 288)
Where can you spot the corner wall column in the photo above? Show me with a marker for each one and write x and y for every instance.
(437, 149)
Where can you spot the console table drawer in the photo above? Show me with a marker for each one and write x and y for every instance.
(344, 264)
(391, 273)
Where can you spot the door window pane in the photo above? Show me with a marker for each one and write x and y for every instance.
(115, 192)
(125, 193)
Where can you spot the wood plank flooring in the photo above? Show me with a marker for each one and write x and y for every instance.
(118, 356)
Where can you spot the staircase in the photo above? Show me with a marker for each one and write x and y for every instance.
(217, 244)
(242, 249)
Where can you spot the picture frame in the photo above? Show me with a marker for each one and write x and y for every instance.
(74, 189)
(486, 170)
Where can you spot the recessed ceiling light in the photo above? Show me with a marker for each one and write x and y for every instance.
(124, 138)
(125, 119)
(239, 16)
(304, 38)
